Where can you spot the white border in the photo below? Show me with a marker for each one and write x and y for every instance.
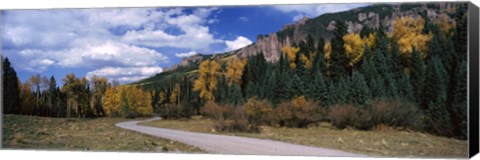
(54, 4)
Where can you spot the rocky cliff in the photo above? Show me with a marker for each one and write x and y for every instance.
(323, 26)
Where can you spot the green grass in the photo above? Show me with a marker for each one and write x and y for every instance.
(100, 134)
(380, 142)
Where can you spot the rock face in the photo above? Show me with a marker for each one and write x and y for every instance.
(185, 61)
(272, 44)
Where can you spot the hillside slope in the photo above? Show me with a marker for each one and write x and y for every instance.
(270, 45)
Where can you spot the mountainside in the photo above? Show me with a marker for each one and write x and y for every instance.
(270, 45)
(322, 26)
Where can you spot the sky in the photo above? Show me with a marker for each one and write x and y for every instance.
(129, 44)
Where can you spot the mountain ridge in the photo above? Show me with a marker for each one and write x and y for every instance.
(372, 16)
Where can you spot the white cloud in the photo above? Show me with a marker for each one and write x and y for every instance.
(312, 10)
(187, 54)
(109, 53)
(126, 74)
(102, 38)
(237, 43)
(243, 18)
(195, 34)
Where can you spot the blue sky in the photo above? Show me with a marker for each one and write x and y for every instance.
(129, 44)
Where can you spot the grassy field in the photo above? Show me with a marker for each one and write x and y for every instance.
(380, 142)
(99, 134)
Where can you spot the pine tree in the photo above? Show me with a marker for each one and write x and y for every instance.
(359, 93)
(11, 89)
(396, 61)
(405, 89)
(269, 83)
(52, 96)
(435, 98)
(459, 37)
(310, 46)
(284, 85)
(235, 94)
(339, 59)
(319, 59)
(459, 103)
(319, 89)
(298, 85)
(417, 75)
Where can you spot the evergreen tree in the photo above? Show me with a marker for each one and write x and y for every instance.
(435, 98)
(405, 89)
(459, 102)
(235, 94)
(366, 67)
(319, 59)
(417, 75)
(339, 59)
(222, 89)
(319, 90)
(460, 35)
(11, 89)
(52, 96)
(269, 83)
(359, 93)
(396, 61)
(298, 86)
(284, 87)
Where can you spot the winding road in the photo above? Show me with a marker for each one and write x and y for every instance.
(223, 144)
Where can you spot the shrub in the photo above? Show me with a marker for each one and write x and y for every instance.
(362, 119)
(304, 111)
(257, 111)
(237, 123)
(175, 111)
(396, 113)
(282, 115)
(213, 110)
(218, 112)
(341, 115)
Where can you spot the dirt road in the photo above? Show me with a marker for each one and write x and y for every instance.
(223, 144)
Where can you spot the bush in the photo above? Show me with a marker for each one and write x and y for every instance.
(213, 110)
(257, 111)
(217, 112)
(396, 113)
(341, 116)
(238, 122)
(175, 111)
(304, 111)
(282, 115)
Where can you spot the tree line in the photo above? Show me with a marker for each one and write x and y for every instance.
(77, 97)
(414, 77)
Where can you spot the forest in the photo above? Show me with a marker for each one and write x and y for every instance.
(414, 77)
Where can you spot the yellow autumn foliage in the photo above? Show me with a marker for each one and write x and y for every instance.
(175, 96)
(137, 101)
(291, 53)
(354, 46)
(206, 83)
(307, 61)
(327, 51)
(234, 71)
(407, 31)
(257, 110)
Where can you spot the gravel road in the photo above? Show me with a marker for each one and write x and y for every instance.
(222, 144)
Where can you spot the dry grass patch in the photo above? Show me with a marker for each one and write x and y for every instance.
(100, 134)
(383, 141)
